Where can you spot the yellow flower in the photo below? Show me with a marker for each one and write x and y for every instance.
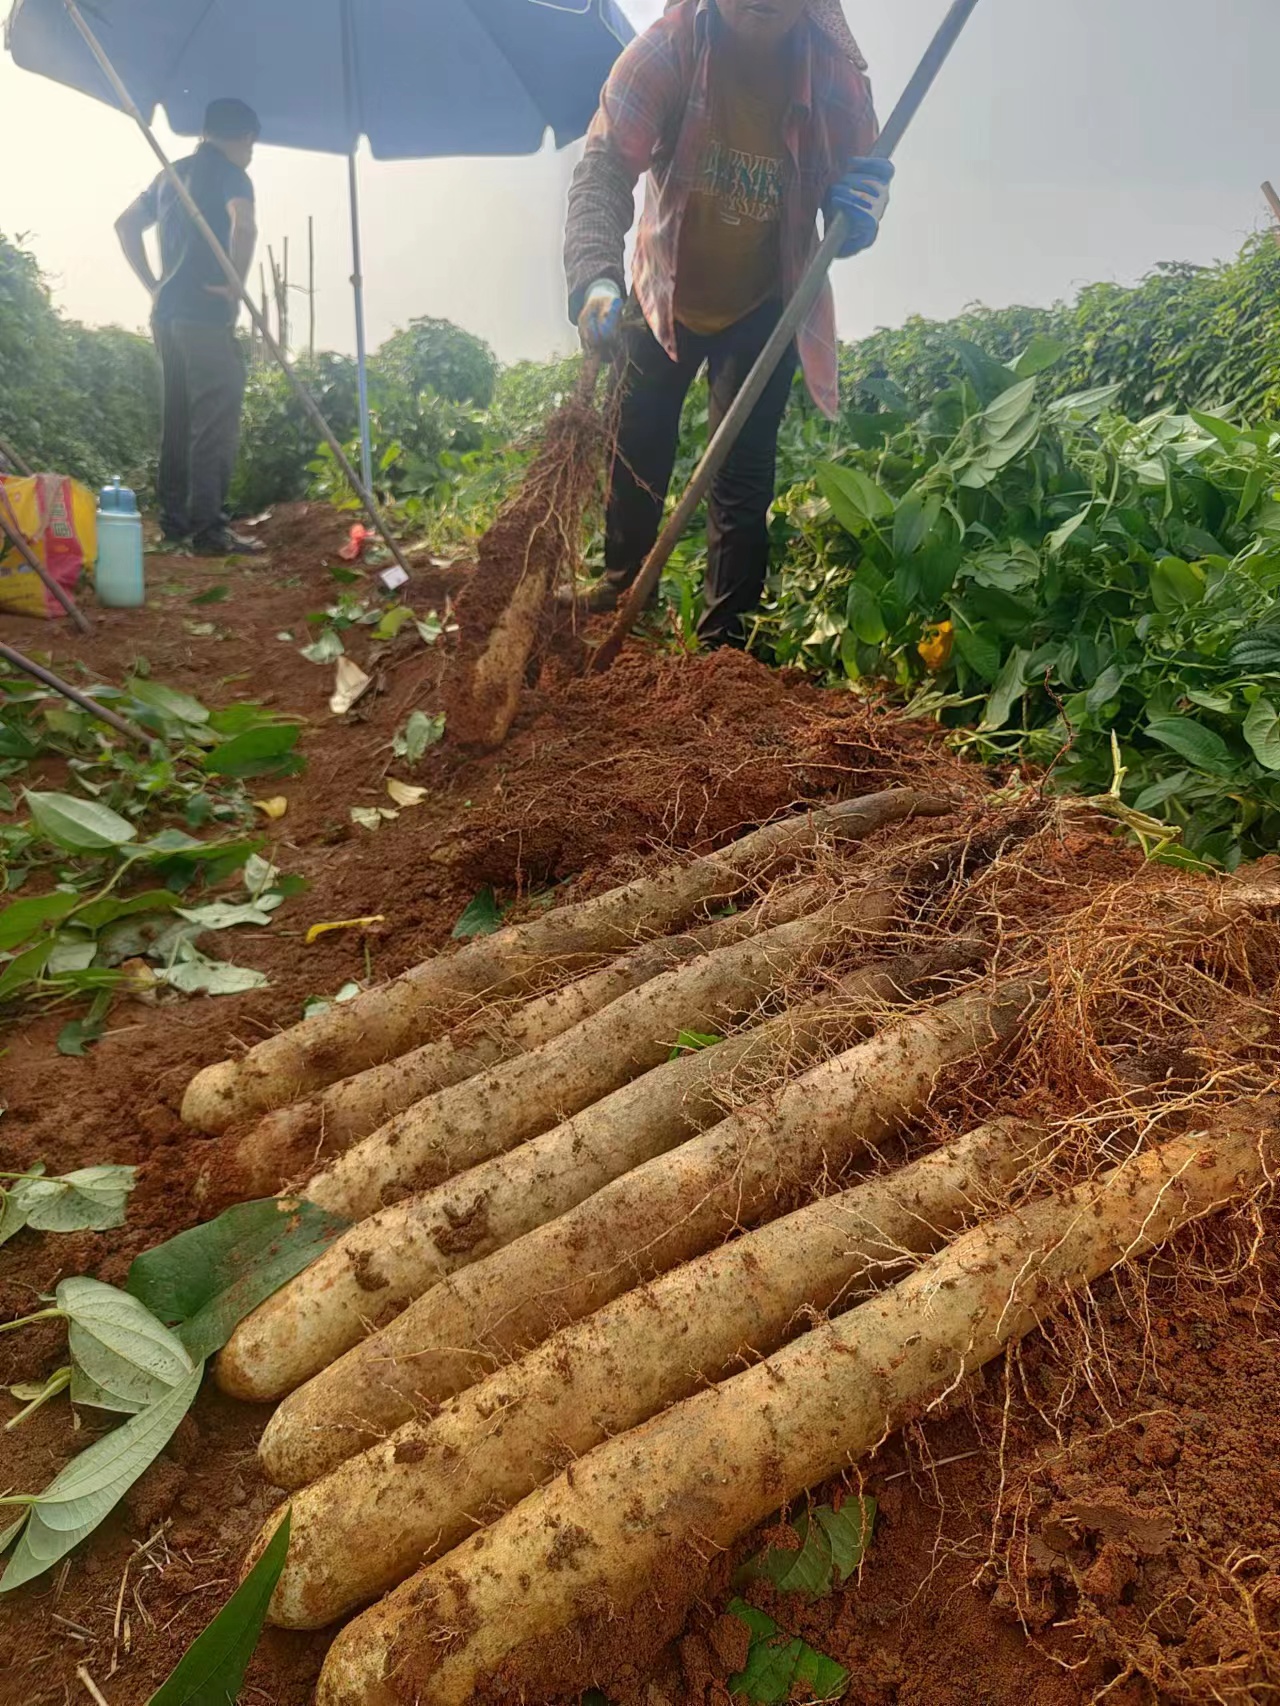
(935, 648)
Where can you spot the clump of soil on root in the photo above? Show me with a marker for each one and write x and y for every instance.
(667, 753)
(532, 544)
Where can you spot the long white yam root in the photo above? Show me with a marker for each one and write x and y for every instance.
(417, 1243)
(702, 1474)
(444, 1134)
(420, 1491)
(668, 1211)
(425, 1002)
(291, 1142)
(333, 1304)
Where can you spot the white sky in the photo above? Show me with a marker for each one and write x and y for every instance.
(1068, 141)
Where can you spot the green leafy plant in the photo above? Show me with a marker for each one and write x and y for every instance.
(1044, 574)
(90, 847)
(145, 1349)
(90, 1487)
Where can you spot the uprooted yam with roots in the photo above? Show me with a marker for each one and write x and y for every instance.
(706, 1186)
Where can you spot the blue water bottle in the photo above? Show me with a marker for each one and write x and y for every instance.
(120, 582)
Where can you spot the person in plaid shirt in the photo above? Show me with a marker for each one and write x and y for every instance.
(750, 117)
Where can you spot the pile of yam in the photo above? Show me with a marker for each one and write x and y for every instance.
(672, 1204)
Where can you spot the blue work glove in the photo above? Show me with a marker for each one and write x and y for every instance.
(601, 315)
(862, 195)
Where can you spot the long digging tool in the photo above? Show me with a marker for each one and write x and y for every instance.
(38, 672)
(259, 318)
(11, 455)
(793, 317)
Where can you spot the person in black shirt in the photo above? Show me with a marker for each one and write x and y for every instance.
(193, 318)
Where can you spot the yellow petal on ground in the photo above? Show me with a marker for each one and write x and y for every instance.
(318, 930)
(404, 794)
(275, 807)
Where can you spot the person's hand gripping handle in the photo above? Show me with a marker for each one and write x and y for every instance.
(601, 316)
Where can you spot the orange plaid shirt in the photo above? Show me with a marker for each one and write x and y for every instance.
(655, 118)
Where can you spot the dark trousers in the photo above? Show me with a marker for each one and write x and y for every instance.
(204, 376)
(654, 391)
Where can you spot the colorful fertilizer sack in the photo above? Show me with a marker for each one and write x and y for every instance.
(58, 519)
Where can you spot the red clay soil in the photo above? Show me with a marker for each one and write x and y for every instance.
(1123, 1505)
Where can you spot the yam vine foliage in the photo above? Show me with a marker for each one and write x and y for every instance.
(1053, 575)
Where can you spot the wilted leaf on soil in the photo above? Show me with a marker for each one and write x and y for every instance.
(92, 1484)
(212, 1669)
(92, 1199)
(372, 817)
(194, 974)
(206, 1280)
(404, 794)
(420, 731)
(321, 1003)
(778, 1666)
(480, 917)
(226, 914)
(325, 648)
(125, 1358)
(832, 1545)
(318, 930)
(81, 826)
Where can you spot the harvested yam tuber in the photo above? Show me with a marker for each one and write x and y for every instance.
(444, 1134)
(425, 1002)
(419, 1490)
(328, 1307)
(699, 1476)
(493, 1204)
(667, 1211)
(291, 1142)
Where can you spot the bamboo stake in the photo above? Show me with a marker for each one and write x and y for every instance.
(11, 455)
(37, 670)
(311, 287)
(1273, 201)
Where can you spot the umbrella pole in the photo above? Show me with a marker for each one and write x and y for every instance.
(358, 486)
(362, 350)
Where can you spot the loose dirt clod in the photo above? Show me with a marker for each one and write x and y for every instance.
(534, 542)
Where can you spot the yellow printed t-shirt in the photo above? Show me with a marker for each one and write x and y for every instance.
(730, 258)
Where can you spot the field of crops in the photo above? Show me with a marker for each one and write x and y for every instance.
(759, 1185)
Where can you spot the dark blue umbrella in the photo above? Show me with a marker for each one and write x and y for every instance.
(418, 78)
